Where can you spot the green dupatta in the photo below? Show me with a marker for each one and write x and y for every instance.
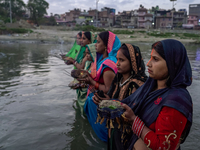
(82, 93)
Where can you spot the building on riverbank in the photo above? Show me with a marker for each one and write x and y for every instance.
(145, 19)
(194, 10)
(169, 18)
(127, 19)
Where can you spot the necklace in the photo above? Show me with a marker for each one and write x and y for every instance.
(121, 84)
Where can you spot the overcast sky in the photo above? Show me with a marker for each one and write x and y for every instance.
(62, 6)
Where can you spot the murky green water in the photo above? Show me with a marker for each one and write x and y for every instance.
(37, 109)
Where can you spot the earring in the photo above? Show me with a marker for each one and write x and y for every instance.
(106, 49)
(132, 72)
(168, 80)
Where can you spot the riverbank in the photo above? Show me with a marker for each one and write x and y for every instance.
(58, 35)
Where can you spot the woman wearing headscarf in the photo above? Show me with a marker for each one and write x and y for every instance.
(89, 60)
(101, 76)
(76, 46)
(160, 111)
(83, 60)
(121, 85)
(130, 76)
(87, 38)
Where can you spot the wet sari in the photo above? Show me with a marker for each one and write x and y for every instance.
(96, 72)
(82, 93)
(81, 53)
(74, 50)
(138, 77)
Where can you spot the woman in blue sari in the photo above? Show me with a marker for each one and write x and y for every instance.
(101, 76)
(160, 111)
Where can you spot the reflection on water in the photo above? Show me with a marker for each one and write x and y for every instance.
(37, 109)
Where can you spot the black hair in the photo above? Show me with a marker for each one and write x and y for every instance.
(159, 49)
(104, 37)
(125, 52)
(80, 34)
(88, 35)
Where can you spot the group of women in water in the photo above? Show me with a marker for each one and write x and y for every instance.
(158, 108)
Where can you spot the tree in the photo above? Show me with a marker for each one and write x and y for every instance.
(18, 9)
(153, 9)
(38, 8)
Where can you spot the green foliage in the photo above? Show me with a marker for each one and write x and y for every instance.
(37, 9)
(159, 34)
(88, 28)
(18, 9)
(132, 36)
(141, 31)
(14, 30)
(191, 35)
(179, 35)
(47, 21)
(2, 25)
(122, 32)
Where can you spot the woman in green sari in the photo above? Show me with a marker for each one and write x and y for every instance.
(76, 47)
(87, 38)
(83, 60)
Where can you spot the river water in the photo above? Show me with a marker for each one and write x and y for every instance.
(38, 110)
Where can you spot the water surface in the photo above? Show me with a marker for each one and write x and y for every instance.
(38, 110)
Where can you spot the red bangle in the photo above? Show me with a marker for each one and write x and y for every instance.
(96, 85)
(137, 126)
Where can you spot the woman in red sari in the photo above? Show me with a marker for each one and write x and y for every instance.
(161, 110)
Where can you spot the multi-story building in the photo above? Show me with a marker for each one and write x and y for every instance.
(134, 18)
(106, 17)
(127, 19)
(163, 19)
(94, 13)
(72, 15)
(84, 18)
(192, 19)
(170, 18)
(194, 9)
(118, 20)
(144, 18)
(179, 17)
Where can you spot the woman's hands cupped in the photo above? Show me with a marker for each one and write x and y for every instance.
(88, 79)
(129, 114)
(97, 99)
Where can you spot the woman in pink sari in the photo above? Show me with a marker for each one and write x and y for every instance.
(101, 76)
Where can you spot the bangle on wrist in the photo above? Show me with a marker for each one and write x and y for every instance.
(96, 85)
(137, 126)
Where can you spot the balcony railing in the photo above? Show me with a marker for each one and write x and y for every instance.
(194, 19)
(126, 19)
(141, 15)
(178, 16)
